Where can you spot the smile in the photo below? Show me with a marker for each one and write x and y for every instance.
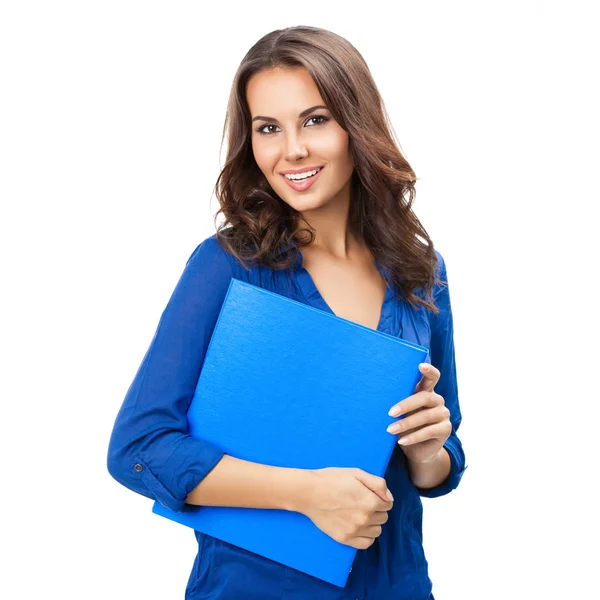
(305, 182)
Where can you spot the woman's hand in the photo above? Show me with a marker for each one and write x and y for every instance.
(349, 505)
(425, 425)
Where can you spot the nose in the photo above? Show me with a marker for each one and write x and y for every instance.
(295, 149)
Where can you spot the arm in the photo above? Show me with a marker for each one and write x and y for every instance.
(150, 451)
(444, 473)
(236, 482)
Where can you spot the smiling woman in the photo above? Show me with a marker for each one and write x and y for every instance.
(306, 136)
(304, 99)
(316, 199)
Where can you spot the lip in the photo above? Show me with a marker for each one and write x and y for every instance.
(303, 170)
(301, 186)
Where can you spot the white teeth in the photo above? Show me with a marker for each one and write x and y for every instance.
(304, 175)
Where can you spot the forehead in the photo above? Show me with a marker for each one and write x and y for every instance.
(281, 91)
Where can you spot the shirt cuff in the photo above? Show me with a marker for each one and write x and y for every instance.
(188, 465)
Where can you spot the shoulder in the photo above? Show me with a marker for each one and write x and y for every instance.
(440, 273)
(440, 294)
(210, 254)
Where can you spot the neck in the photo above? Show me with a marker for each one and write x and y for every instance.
(333, 234)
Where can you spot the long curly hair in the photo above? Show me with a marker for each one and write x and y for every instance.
(261, 229)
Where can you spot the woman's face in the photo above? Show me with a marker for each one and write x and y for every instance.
(288, 135)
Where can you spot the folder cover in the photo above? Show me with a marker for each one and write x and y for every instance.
(290, 385)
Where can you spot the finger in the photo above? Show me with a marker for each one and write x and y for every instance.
(418, 419)
(376, 485)
(412, 412)
(431, 376)
(416, 402)
(382, 505)
(380, 517)
(430, 432)
(362, 542)
(373, 531)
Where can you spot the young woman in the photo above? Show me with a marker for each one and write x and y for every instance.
(316, 199)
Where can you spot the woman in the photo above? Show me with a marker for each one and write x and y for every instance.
(314, 194)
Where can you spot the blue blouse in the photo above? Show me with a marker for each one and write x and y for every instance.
(151, 453)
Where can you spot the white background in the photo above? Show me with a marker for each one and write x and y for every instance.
(111, 116)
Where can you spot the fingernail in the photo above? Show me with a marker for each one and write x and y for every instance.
(395, 411)
(424, 366)
(389, 495)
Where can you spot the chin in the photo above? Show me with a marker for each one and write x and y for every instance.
(305, 202)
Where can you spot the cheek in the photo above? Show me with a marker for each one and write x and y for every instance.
(258, 155)
(266, 159)
(335, 149)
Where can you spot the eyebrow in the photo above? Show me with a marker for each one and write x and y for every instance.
(304, 113)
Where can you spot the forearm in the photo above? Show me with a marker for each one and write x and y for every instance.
(236, 482)
(432, 473)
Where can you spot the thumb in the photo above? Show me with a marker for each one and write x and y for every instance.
(375, 484)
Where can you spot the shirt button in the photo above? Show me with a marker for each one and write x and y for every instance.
(138, 467)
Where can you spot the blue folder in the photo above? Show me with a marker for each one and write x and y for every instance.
(289, 385)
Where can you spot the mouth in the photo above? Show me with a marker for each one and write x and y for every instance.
(301, 185)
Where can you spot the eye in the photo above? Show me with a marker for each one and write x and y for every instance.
(262, 127)
(325, 119)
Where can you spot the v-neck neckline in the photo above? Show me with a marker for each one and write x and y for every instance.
(313, 295)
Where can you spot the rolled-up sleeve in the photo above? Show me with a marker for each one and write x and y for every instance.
(443, 358)
(150, 450)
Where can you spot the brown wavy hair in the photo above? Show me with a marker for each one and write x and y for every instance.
(260, 228)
